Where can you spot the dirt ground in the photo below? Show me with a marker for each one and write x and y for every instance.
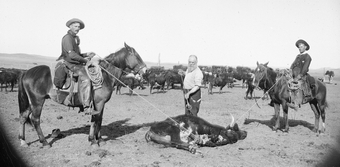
(128, 118)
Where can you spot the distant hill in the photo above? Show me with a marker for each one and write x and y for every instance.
(26, 61)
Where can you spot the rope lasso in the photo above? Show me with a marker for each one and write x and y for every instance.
(176, 123)
(286, 72)
(95, 75)
(256, 102)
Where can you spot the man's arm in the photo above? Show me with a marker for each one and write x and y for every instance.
(67, 45)
(198, 81)
(305, 67)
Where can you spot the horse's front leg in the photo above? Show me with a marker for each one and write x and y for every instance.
(96, 123)
(94, 134)
(285, 117)
(277, 116)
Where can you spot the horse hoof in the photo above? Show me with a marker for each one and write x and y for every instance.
(47, 146)
(94, 145)
(274, 129)
(24, 145)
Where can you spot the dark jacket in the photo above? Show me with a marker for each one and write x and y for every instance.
(70, 50)
(301, 63)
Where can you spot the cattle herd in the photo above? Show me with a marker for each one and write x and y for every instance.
(159, 78)
(9, 77)
(162, 79)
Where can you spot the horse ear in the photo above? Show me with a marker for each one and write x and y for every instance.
(127, 47)
(257, 63)
(266, 64)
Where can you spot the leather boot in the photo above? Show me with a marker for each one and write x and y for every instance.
(85, 91)
(307, 91)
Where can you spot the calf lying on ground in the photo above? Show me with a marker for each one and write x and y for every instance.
(187, 132)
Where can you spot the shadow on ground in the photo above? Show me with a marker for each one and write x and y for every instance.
(271, 123)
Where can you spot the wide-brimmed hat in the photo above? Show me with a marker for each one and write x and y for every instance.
(302, 41)
(82, 25)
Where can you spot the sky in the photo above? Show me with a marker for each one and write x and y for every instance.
(218, 32)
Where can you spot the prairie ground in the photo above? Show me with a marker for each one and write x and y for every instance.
(128, 118)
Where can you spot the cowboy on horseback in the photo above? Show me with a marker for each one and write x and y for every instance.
(300, 67)
(75, 60)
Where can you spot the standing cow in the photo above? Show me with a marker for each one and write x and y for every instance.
(219, 80)
(9, 76)
(131, 81)
(172, 77)
(154, 79)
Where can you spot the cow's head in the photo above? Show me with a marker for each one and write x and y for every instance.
(231, 134)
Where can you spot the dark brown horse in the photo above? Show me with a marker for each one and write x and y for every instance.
(35, 86)
(281, 94)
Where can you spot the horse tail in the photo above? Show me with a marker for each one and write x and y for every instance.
(22, 95)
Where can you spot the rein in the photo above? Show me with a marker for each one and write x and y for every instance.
(176, 123)
(248, 111)
(125, 72)
(181, 126)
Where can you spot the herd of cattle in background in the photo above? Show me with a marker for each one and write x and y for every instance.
(160, 78)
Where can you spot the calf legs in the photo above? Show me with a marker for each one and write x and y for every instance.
(172, 140)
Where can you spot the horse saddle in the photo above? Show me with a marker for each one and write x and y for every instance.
(63, 77)
(304, 85)
(66, 82)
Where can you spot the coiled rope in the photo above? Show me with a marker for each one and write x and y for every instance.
(95, 75)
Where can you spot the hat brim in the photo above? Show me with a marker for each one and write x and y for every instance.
(82, 25)
(302, 41)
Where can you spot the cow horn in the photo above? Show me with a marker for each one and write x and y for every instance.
(232, 121)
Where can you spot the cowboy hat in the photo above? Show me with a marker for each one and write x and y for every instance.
(82, 25)
(302, 41)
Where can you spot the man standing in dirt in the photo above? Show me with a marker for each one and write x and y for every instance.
(75, 61)
(192, 87)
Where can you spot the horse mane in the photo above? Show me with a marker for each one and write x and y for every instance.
(113, 58)
(271, 74)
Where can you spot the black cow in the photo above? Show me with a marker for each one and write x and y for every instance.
(219, 80)
(187, 132)
(241, 74)
(154, 78)
(130, 81)
(172, 77)
(9, 76)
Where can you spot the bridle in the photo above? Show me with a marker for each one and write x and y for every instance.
(263, 73)
(123, 71)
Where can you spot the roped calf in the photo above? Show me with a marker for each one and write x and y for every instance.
(188, 132)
